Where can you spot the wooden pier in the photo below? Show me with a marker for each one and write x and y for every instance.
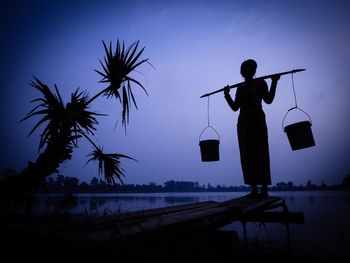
(181, 233)
(172, 221)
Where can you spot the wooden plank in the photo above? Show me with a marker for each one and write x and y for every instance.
(135, 226)
(247, 204)
(240, 205)
(212, 215)
(243, 204)
(152, 212)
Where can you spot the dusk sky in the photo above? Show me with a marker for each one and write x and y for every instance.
(196, 47)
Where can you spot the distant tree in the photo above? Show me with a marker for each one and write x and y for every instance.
(169, 185)
(84, 187)
(50, 182)
(59, 183)
(94, 182)
(152, 187)
(281, 185)
(71, 184)
(309, 184)
(102, 186)
(196, 185)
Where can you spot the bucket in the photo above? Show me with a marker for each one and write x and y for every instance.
(299, 134)
(209, 148)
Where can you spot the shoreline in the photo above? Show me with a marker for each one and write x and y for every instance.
(185, 192)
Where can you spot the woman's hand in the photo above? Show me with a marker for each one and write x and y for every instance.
(275, 78)
(226, 90)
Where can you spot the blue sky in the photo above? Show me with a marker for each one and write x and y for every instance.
(196, 47)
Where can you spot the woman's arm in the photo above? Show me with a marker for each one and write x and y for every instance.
(269, 96)
(234, 105)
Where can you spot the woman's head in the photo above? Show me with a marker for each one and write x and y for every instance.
(248, 68)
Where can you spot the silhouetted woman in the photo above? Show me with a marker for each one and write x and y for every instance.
(251, 127)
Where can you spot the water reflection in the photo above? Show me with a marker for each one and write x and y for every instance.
(112, 203)
(311, 199)
(181, 199)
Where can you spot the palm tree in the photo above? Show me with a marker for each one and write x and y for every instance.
(116, 72)
(65, 124)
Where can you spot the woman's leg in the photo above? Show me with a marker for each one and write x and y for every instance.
(264, 191)
(254, 191)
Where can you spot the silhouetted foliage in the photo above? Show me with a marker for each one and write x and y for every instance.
(64, 184)
(109, 163)
(66, 123)
(116, 69)
(61, 121)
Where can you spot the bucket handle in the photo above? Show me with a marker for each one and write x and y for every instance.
(212, 129)
(294, 108)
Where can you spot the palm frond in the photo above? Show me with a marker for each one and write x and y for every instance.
(50, 107)
(109, 164)
(78, 114)
(66, 121)
(116, 69)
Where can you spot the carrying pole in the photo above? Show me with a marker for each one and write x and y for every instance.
(263, 77)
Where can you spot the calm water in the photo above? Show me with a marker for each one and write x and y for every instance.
(327, 215)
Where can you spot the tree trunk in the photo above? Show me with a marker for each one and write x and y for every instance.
(56, 152)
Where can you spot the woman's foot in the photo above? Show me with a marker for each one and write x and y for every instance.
(253, 195)
(264, 192)
(254, 192)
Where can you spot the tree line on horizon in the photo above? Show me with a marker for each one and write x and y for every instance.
(68, 184)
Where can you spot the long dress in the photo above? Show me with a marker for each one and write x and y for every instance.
(252, 132)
